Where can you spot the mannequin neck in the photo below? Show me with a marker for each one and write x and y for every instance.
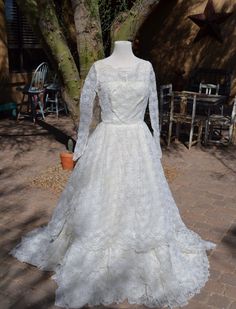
(122, 54)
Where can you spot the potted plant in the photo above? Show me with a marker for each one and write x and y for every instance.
(67, 156)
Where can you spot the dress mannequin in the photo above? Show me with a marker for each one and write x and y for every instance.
(122, 55)
(118, 237)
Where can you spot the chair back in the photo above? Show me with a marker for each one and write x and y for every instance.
(211, 76)
(165, 91)
(39, 77)
(183, 106)
(209, 88)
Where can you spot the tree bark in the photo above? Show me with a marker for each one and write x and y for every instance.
(88, 33)
(4, 65)
(67, 21)
(43, 18)
(126, 24)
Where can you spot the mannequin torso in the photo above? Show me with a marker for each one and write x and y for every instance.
(122, 55)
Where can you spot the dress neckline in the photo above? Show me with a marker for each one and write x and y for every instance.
(127, 68)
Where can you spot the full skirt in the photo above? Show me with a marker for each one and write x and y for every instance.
(116, 232)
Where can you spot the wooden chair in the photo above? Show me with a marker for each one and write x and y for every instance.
(53, 98)
(209, 88)
(218, 124)
(164, 106)
(220, 77)
(35, 90)
(183, 111)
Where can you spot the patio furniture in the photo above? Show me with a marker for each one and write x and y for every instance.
(35, 91)
(183, 111)
(209, 88)
(53, 98)
(219, 123)
(164, 106)
(210, 103)
(219, 77)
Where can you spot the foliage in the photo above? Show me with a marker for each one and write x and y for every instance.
(70, 145)
(75, 33)
(108, 11)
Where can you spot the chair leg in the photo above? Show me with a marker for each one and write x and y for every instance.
(41, 109)
(46, 102)
(28, 105)
(177, 130)
(169, 133)
(199, 133)
(206, 132)
(32, 101)
(40, 106)
(231, 130)
(56, 104)
(190, 136)
(20, 107)
(19, 112)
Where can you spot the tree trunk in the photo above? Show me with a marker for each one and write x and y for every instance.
(88, 33)
(43, 18)
(126, 24)
(66, 17)
(4, 66)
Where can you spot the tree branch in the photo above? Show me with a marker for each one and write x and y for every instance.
(126, 24)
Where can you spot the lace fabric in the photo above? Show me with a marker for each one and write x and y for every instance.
(116, 231)
(95, 83)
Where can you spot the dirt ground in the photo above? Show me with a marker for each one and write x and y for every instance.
(204, 187)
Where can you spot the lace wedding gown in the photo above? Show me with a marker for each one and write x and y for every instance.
(116, 231)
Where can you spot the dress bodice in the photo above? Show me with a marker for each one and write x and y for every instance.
(123, 92)
(123, 97)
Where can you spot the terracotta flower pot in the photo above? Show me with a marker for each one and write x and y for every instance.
(67, 160)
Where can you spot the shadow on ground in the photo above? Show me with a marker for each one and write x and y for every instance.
(204, 190)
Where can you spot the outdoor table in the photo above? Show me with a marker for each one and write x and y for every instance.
(206, 100)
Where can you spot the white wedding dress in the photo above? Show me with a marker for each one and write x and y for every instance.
(116, 231)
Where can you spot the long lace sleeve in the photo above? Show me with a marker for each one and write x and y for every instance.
(153, 110)
(87, 99)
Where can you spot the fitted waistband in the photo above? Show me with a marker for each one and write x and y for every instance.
(123, 123)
